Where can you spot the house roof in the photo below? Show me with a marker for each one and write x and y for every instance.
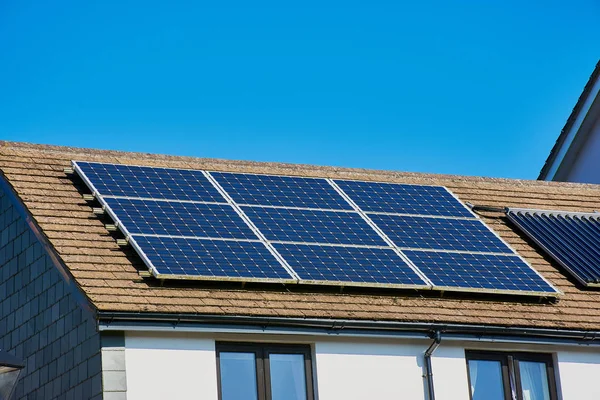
(108, 275)
(564, 133)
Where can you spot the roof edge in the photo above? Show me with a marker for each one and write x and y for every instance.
(173, 161)
(121, 321)
(79, 295)
(569, 124)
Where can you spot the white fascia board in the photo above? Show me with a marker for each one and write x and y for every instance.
(573, 131)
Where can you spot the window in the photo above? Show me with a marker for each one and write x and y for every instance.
(264, 372)
(508, 376)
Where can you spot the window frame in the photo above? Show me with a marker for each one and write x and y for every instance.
(511, 377)
(262, 352)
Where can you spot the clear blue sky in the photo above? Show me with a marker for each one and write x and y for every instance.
(461, 87)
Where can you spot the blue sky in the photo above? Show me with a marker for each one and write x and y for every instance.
(464, 87)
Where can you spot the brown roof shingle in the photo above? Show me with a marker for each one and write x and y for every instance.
(108, 275)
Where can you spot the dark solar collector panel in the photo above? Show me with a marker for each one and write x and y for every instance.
(439, 233)
(483, 272)
(571, 239)
(348, 265)
(316, 226)
(404, 199)
(172, 218)
(149, 182)
(179, 235)
(210, 259)
(285, 191)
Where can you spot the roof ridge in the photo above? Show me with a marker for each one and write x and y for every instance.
(570, 121)
(290, 168)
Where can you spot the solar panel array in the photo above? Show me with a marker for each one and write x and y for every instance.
(572, 239)
(249, 227)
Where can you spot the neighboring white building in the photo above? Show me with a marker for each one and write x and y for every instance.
(90, 322)
(576, 155)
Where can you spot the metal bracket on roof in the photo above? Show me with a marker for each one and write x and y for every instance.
(88, 197)
(144, 274)
(476, 208)
(111, 227)
(69, 171)
(98, 210)
(122, 242)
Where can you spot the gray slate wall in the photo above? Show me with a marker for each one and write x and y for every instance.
(40, 321)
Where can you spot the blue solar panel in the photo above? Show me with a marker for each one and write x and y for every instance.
(316, 226)
(571, 239)
(348, 264)
(439, 233)
(150, 182)
(178, 234)
(479, 271)
(404, 199)
(152, 217)
(205, 258)
(271, 190)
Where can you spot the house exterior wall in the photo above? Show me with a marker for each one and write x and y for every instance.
(40, 321)
(584, 165)
(183, 366)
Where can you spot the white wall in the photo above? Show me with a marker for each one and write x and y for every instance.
(177, 367)
(368, 371)
(579, 373)
(393, 370)
(585, 165)
(183, 366)
(450, 372)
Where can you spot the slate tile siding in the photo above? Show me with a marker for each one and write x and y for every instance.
(40, 322)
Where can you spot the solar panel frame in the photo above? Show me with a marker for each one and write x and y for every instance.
(313, 226)
(403, 231)
(178, 219)
(441, 287)
(221, 278)
(352, 206)
(331, 199)
(422, 285)
(207, 186)
(344, 186)
(573, 267)
(132, 241)
(475, 217)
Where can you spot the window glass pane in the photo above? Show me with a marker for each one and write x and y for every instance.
(534, 380)
(288, 381)
(238, 376)
(486, 380)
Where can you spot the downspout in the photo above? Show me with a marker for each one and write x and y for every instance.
(437, 338)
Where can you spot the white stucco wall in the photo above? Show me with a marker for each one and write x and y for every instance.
(183, 366)
(585, 165)
(393, 370)
(160, 367)
(368, 371)
(579, 373)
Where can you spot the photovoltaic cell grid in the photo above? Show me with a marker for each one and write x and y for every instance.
(571, 239)
(404, 199)
(271, 203)
(439, 233)
(283, 191)
(150, 182)
(348, 264)
(219, 259)
(487, 272)
(170, 218)
(313, 226)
